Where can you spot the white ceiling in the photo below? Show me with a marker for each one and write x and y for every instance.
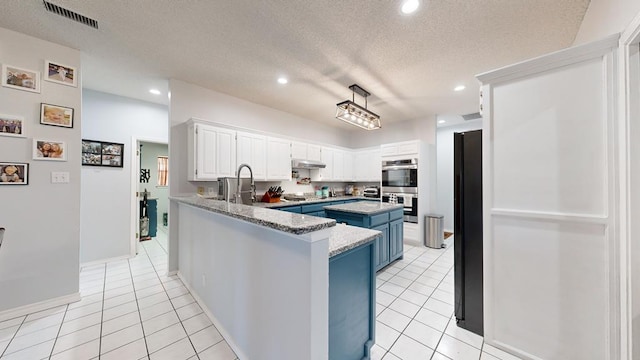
(410, 64)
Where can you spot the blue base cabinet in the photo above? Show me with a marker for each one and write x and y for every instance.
(352, 303)
(389, 247)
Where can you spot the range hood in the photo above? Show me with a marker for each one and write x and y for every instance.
(306, 164)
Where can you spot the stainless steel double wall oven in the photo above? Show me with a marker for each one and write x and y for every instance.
(400, 178)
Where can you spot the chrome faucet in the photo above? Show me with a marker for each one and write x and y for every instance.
(253, 186)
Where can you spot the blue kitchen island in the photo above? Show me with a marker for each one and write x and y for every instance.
(384, 217)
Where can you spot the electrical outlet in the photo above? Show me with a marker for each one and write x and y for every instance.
(211, 191)
(204, 281)
(59, 177)
(200, 190)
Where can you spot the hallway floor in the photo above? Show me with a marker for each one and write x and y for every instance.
(131, 310)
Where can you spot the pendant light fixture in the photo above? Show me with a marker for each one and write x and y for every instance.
(354, 114)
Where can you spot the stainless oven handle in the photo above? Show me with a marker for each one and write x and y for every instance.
(400, 167)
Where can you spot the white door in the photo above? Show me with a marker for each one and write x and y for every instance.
(326, 174)
(252, 150)
(278, 159)
(206, 152)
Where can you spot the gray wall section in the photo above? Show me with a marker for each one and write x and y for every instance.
(39, 255)
(149, 159)
(445, 168)
(106, 202)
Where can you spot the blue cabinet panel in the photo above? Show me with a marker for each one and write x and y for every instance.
(382, 246)
(396, 234)
(352, 304)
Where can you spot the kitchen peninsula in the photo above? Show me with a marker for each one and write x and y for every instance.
(278, 284)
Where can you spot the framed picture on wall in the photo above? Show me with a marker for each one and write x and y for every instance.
(101, 153)
(49, 150)
(11, 125)
(20, 79)
(56, 115)
(59, 73)
(12, 173)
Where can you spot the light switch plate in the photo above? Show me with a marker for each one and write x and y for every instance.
(58, 177)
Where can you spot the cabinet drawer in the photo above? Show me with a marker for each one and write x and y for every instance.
(313, 208)
(379, 219)
(396, 214)
(293, 209)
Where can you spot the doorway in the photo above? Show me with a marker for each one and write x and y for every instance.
(150, 192)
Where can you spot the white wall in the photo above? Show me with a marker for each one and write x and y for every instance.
(149, 159)
(606, 17)
(106, 202)
(39, 255)
(423, 129)
(445, 168)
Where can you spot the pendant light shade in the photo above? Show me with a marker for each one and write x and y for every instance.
(354, 114)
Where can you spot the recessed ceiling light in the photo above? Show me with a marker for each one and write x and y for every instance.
(282, 80)
(441, 122)
(155, 91)
(459, 88)
(410, 6)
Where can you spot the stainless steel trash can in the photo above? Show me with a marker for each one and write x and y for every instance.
(433, 232)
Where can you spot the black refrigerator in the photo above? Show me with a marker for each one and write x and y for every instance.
(467, 169)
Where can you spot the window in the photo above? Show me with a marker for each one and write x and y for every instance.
(163, 170)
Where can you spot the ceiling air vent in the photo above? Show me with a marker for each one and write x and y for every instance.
(474, 116)
(70, 14)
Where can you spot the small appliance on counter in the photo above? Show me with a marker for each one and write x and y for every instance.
(227, 188)
(372, 192)
(348, 190)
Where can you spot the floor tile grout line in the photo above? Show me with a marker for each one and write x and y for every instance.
(13, 337)
(174, 309)
(102, 313)
(55, 340)
(144, 336)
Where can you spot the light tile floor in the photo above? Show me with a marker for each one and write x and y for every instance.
(414, 308)
(131, 310)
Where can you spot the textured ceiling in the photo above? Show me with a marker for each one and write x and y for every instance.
(409, 64)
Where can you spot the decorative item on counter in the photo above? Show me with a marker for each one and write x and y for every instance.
(325, 191)
(295, 174)
(304, 181)
(356, 191)
(348, 190)
(272, 195)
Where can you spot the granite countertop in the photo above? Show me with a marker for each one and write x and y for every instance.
(364, 207)
(275, 219)
(312, 201)
(345, 237)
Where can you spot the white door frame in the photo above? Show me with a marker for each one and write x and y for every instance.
(135, 180)
(629, 132)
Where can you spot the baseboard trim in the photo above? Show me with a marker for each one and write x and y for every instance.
(39, 306)
(98, 262)
(239, 353)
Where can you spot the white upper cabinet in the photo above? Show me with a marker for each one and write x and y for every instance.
(252, 150)
(401, 148)
(349, 173)
(338, 165)
(368, 165)
(304, 151)
(299, 150)
(314, 152)
(326, 157)
(212, 152)
(278, 159)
